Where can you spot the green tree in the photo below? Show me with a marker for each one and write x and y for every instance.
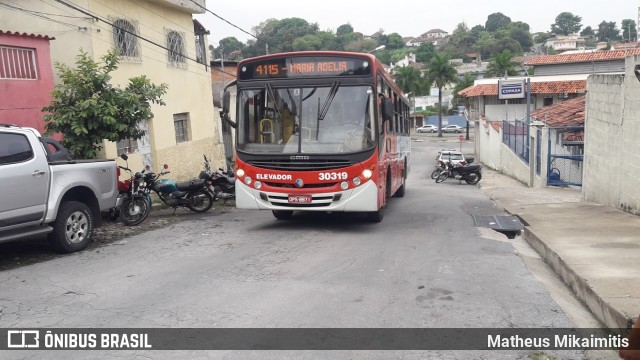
(523, 38)
(629, 30)
(425, 52)
(88, 109)
(541, 38)
(440, 72)
(501, 63)
(588, 32)
(608, 31)
(497, 21)
(409, 79)
(394, 41)
(228, 45)
(462, 83)
(566, 23)
(344, 29)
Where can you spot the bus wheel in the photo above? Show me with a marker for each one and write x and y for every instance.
(376, 216)
(282, 214)
(400, 192)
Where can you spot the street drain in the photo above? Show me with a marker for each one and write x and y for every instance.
(508, 225)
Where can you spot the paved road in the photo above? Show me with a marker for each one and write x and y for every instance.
(425, 265)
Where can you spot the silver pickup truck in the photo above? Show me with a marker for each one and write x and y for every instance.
(42, 195)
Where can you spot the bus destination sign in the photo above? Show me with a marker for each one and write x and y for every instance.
(300, 67)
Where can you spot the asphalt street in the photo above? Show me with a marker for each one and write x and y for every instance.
(425, 265)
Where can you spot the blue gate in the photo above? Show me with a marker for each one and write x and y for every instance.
(565, 156)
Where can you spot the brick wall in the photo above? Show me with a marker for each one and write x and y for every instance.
(612, 130)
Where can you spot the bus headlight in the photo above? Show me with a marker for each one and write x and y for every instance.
(240, 173)
(357, 181)
(367, 174)
(247, 180)
(344, 185)
(257, 185)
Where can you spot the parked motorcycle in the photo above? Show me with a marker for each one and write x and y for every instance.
(440, 167)
(221, 184)
(192, 194)
(471, 173)
(133, 204)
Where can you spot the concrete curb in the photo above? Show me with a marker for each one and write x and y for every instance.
(600, 309)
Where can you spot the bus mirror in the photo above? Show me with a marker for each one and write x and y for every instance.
(226, 105)
(387, 109)
(226, 102)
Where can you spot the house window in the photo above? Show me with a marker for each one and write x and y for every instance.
(127, 146)
(18, 63)
(125, 38)
(547, 101)
(181, 125)
(175, 44)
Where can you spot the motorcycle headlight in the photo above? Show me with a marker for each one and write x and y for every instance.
(141, 183)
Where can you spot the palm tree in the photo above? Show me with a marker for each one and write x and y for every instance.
(409, 79)
(440, 72)
(501, 64)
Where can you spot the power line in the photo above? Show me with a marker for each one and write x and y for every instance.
(87, 12)
(235, 26)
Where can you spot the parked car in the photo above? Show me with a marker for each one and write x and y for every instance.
(452, 129)
(453, 156)
(427, 128)
(45, 193)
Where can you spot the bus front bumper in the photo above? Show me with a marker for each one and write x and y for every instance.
(361, 198)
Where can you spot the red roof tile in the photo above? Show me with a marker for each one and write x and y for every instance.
(582, 57)
(46, 37)
(549, 87)
(496, 125)
(567, 113)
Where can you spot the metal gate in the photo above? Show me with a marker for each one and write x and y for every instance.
(565, 156)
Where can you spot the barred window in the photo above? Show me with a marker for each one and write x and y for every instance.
(18, 63)
(175, 44)
(124, 37)
(181, 125)
(127, 146)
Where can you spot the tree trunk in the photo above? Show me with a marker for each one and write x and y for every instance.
(439, 112)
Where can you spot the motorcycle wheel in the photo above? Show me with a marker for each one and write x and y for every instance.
(202, 201)
(476, 178)
(435, 173)
(442, 177)
(134, 210)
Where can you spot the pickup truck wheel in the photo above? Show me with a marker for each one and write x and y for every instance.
(73, 227)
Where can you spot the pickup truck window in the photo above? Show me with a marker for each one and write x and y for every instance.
(14, 148)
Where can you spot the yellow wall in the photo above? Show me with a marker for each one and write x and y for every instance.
(189, 88)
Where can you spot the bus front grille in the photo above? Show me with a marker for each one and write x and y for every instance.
(301, 165)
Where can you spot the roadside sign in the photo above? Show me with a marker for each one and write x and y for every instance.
(461, 137)
(510, 89)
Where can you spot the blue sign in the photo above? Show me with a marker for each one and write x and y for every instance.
(511, 89)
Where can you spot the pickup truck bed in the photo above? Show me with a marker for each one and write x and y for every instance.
(62, 198)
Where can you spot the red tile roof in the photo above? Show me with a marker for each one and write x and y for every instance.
(567, 113)
(582, 57)
(496, 125)
(549, 87)
(46, 37)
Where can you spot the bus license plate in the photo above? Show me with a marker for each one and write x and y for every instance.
(300, 199)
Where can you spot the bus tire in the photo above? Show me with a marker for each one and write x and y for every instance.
(282, 214)
(400, 192)
(376, 216)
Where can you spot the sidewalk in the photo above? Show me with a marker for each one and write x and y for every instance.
(595, 249)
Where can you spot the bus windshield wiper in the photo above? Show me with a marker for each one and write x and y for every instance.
(275, 103)
(327, 103)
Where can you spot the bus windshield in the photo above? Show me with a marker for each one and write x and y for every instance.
(313, 120)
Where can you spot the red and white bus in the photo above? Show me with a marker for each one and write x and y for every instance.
(319, 131)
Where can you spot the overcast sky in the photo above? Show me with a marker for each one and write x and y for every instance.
(407, 18)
